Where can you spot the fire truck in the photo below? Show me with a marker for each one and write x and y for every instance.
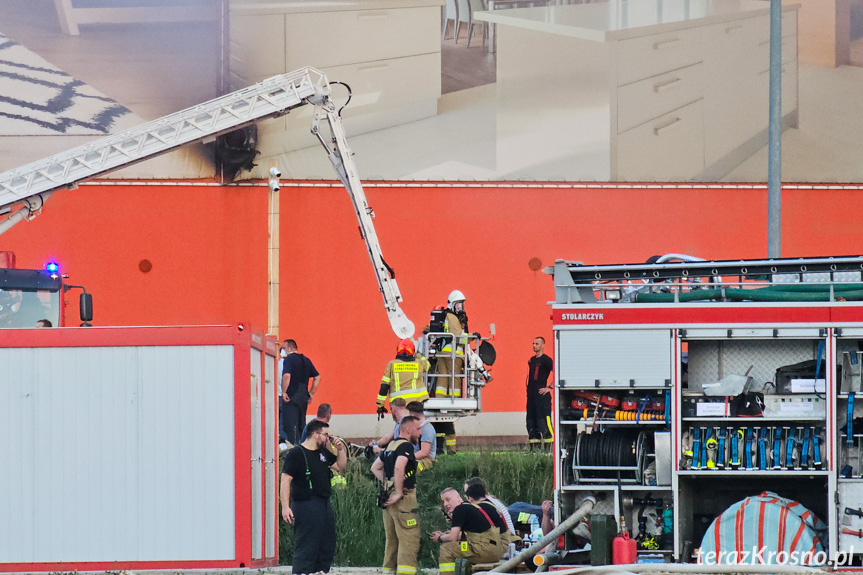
(693, 398)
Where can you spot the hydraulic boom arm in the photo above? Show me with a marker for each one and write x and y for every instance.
(342, 160)
(24, 190)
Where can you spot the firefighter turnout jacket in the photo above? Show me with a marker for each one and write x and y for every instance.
(404, 378)
(449, 363)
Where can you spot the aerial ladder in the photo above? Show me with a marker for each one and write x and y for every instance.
(24, 191)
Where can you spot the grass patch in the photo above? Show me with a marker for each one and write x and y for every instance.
(511, 476)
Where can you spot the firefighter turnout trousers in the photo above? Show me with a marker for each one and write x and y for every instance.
(448, 384)
(479, 548)
(445, 435)
(402, 528)
(449, 362)
(539, 426)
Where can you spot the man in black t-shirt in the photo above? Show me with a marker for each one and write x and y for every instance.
(304, 493)
(397, 468)
(473, 536)
(539, 426)
(476, 495)
(297, 370)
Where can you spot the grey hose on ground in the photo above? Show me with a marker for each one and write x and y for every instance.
(566, 525)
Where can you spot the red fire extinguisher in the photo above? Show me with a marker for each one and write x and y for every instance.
(623, 548)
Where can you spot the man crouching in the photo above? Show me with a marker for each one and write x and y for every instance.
(473, 535)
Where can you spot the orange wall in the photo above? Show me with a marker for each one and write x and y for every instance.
(208, 248)
(206, 245)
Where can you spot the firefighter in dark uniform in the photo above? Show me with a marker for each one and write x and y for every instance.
(474, 534)
(404, 377)
(539, 426)
(396, 468)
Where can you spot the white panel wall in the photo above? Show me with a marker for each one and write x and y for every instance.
(270, 487)
(116, 454)
(615, 357)
(257, 459)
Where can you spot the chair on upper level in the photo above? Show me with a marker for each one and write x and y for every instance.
(450, 13)
(466, 8)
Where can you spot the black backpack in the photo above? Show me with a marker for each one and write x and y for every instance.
(438, 319)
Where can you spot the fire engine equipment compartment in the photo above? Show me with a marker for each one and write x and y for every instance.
(637, 332)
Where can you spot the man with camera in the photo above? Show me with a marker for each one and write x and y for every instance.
(304, 493)
(396, 468)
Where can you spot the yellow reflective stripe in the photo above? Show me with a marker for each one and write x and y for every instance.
(425, 363)
(440, 434)
(548, 440)
(534, 441)
(385, 379)
(446, 567)
(523, 517)
(417, 393)
(382, 397)
(406, 569)
(450, 441)
(440, 392)
(550, 426)
(410, 393)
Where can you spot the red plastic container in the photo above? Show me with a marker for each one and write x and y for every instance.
(623, 550)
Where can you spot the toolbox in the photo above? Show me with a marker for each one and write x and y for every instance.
(800, 378)
(791, 406)
(705, 406)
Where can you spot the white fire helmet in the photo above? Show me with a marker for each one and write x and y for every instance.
(455, 296)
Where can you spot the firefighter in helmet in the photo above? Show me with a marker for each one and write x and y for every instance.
(404, 376)
(450, 360)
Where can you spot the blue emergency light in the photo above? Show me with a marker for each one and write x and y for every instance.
(53, 268)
